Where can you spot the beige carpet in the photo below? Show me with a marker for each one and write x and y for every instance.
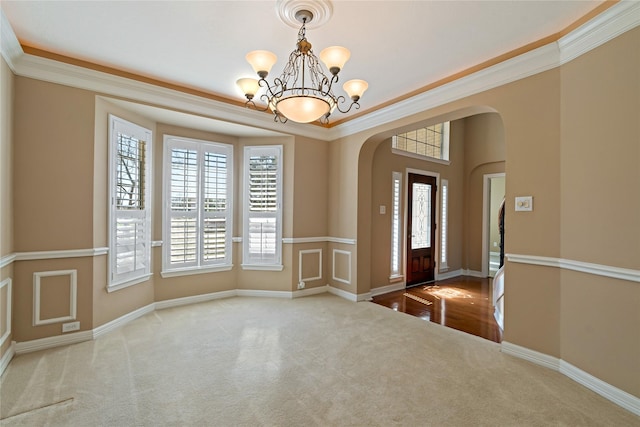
(318, 360)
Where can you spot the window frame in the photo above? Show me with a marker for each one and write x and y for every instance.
(250, 262)
(115, 280)
(199, 265)
(397, 242)
(444, 224)
(446, 128)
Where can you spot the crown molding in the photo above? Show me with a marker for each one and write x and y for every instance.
(10, 47)
(622, 17)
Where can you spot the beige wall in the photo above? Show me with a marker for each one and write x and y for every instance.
(6, 157)
(6, 190)
(600, 208)
(581, 119)
(553, 125)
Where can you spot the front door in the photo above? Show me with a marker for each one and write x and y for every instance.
(421, 229)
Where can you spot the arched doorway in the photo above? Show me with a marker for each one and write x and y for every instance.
(477, 148)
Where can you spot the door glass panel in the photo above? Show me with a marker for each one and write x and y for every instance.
(421, 216)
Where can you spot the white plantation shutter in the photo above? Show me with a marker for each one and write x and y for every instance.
(130, 216)
(262, 234)
(198, 204)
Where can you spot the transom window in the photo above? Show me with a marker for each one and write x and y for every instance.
(431, 142)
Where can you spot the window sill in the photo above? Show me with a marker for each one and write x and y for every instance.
(396, 278)
(121, 285)
(420, 156)
(195, 270)
(263, 267)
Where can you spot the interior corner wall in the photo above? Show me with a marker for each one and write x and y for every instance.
(6, 196)
(484, 145)
(52, 197)
(600, 210)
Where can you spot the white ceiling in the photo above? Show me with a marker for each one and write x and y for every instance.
(397, 46)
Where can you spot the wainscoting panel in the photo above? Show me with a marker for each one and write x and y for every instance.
(50, 290)
(342, 266)
(5, 310)
(309, 265)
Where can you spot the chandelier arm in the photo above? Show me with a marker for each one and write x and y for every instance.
(354, 104)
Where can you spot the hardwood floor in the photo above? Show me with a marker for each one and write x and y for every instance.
(462, 303)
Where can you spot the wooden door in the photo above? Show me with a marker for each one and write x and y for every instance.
(421, 229)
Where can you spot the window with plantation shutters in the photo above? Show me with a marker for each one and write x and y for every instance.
(262, 231)
(198, 205)
(130, 215)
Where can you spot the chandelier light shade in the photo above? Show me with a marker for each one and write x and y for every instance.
(303, 92)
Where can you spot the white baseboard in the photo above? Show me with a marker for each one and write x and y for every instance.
(531, 355)
(122, 320)
(450, 274)
(388, 288)
(6, 358)
(310, 291)
(176, 302)
(51, 342)
(343, 294)
(619, 397)
(474, 273)
(606, 390)
(263, 294)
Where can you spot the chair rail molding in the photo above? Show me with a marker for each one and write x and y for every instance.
(581, 266)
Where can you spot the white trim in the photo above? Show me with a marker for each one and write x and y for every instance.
(608, 25)
(309, 251)
(387, 288)
(311, 291)
(616, 20)
(333, 275)
(256, 255)
(614, 394)
(176, 302)
(263, 267)
(6, 358)
(122, 320)
(11, 49)
(7, 259)
(51, 342)
(583, 267)
(127, 283)
(436, 220)
(69, 253)
(6, 310)
(343, 294)
(486, 217)
(450, 274)
(606, 390)
(73, 296)
(531, 355)
(473, 273)
(263, 293)
(195, 270)
(400, 152)
(39, 255)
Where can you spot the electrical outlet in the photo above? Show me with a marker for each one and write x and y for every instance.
(71, 326)
(301, 285)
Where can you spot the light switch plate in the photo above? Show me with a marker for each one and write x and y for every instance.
(524, 203)
(383, 209)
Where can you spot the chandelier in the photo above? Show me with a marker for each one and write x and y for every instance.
(302, 93)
